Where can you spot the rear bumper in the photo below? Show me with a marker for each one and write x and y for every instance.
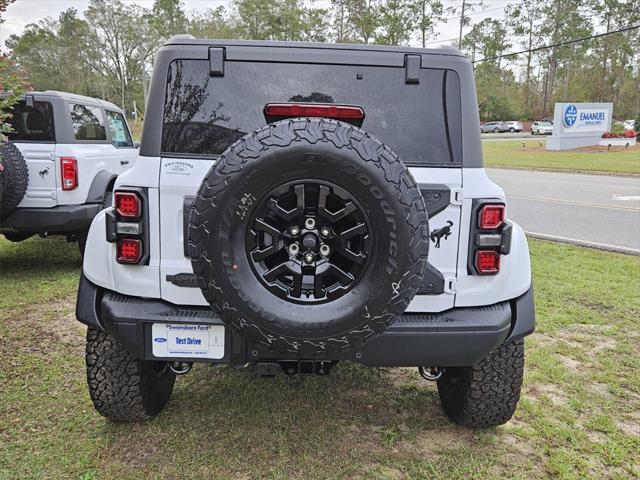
(60, 219)
(456, 337)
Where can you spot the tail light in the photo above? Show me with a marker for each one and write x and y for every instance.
(127, 204)
(338, 112)
(69, 168)
(490, 237)
(129, 250)
(126, 226)
(487, 262)
(491, 217)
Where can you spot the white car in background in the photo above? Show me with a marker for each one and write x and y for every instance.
(59, 166)
(629, 124)
(514, 126)
(541, 128)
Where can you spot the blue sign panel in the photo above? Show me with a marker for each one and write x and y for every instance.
(570, 115)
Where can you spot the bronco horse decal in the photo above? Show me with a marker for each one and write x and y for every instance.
(439, 233)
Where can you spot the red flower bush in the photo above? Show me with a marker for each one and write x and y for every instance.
(626, 134)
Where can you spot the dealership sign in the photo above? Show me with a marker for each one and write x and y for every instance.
(585, 119)
(579, 124)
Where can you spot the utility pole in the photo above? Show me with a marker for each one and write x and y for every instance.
(461, 23)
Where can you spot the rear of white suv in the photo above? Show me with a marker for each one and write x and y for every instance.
(73, 147)
(277, 216)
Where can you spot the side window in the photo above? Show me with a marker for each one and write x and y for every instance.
(88, 122)
(120, 135)
(32, 124)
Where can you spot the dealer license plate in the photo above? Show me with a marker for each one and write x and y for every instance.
(188, 341)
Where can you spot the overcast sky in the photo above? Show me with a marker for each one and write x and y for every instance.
(23, 12)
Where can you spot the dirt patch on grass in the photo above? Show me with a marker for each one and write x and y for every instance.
(628, 427)
(571, 363)
(600, 389)
(39, 328)
(549, 391)
(130, 452)
(435, 441)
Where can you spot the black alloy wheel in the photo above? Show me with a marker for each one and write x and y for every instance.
(309, 241)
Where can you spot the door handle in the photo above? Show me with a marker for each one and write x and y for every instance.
(124, 162)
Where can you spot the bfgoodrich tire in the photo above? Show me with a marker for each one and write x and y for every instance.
(122, 387)
(486, 394)
(16, 177)
(287, 183)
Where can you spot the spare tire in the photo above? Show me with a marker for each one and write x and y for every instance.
(353, 212)
(16, 177)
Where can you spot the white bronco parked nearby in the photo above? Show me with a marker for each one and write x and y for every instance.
(59, 167)
(295, 205)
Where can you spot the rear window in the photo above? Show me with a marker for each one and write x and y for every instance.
(32, 124)
(204, 115)
(88, 122)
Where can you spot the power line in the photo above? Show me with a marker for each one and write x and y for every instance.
(561, 44)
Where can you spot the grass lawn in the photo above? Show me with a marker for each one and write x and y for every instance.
(534, 156)
(579, 416)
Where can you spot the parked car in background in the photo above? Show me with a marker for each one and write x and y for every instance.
(494, 127)
(514, 126)
(541, 128)
(62, 159)
(629, 125)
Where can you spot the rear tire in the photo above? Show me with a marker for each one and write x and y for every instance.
(16, 178)
(486, 394)
(122, 387)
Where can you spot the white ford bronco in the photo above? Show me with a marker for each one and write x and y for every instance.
(295, 205)
(59, 166)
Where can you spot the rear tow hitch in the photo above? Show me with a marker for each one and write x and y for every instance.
(292, 367)
(180, 368)
(431, 373)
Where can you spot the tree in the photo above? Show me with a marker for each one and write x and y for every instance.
(396, 22)
(213, 23)
(341, 24)
(562, 21)
(427, 13)
(496, 86)
(524, 19)
(364, 18)
(122, 43)
(168, 18)
(254, 18)
(462, 11)
(12, 84)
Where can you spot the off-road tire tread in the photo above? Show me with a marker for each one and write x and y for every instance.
(486, 394)
(282, 134)
(117, 380)
(16, 177)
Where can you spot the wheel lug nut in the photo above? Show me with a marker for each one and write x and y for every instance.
(309, 257)
(294, 248)
(325, 250)
(325, 232)
(295, 231)
(309, 223)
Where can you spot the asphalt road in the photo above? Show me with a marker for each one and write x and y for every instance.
(597, 210)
